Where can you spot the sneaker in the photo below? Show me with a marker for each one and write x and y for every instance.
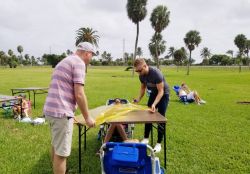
(202, 101)
(145, 141)
(157, 148)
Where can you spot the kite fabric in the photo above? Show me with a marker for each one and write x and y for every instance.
(117, 111)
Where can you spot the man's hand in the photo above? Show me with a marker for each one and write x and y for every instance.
(136, 100)
(152, 109)
(90, 122)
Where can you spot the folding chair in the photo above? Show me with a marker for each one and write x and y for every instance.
(127, 158)
(183, 98)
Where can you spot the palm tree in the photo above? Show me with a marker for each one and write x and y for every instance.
(240, 42)
(137, 11)
(171, 51)
(20, 50)
(159, 21)
(205, 54)
(191, 40)
(10, 52)
(87, 35)
(157, 46)
(139, 52)
(246, 51)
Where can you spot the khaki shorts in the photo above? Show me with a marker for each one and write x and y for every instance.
(61, 134)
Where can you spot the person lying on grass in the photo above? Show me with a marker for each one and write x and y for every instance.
(192, 96)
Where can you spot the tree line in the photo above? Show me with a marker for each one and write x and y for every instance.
(159, 19)
(12, 60)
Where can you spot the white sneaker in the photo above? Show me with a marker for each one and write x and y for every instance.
(157, 148)
(145, 141)
(202, 101)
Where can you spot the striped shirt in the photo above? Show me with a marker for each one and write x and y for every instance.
(61, 101)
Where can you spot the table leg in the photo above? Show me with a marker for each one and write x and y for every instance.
(165, 153)
(21, 105)
(29, 94)
(79, 147)
(85, 132)
(34, 94)
(152, 136)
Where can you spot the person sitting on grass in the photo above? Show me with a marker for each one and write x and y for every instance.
(191, 95)
(17, 108)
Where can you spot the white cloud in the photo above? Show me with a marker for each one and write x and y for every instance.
(43, 24)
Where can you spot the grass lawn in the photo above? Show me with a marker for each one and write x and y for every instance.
(211, 138)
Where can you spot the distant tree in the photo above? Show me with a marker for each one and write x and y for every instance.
(240, 42)
(185, 61)
(191, 40)
(69, 52)
(118, 62)
(106, 58)
(126, 57)
(246, 51)
(53, 59)
(137, 11)
(26, 60)
(10, 52)
(205, 54)
(3, 58)
(179, 57)
(97, 53)
(10, 59)
(157, 44)
(87, 35)
(139, 52)
(220, 59)
(33, 61)
(231, 53)
(159, 21)
(20, 50)
(95, 62)
(171, 51)
(130, 59)
(109, 58)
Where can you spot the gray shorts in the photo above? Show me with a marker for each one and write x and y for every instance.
(61, 134)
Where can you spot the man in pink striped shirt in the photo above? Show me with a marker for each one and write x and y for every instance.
(66, 92)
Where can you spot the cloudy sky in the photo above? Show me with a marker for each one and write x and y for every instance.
(44, 26)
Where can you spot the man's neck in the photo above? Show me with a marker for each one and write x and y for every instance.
(80, 55)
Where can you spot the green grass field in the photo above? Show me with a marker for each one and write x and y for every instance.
(211, 138)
